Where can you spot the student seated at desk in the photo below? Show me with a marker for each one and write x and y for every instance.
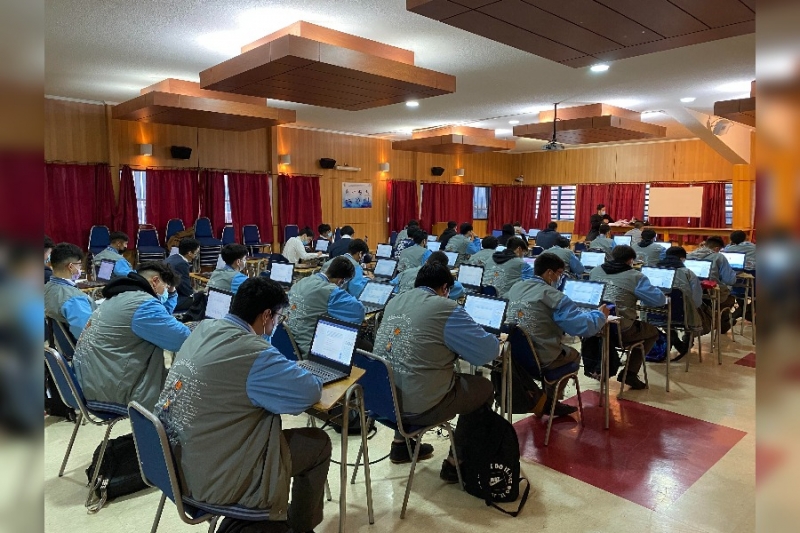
(545, 314)
(63, 301)
(561, 249)
(696, 313)
(119, 243)
(503, 269)
(465, 243)
(422, 335)
(740, 244)
(647, 251)
(181, 263)
(405, 280)
(229, 278)
(449, 233)
(120, 356)
(624, 287)
(414, 256)
(404, 239)
(239, 454)
(602, 243)
(48, 249)
(636, 232)
(488, 246)
(721, 272)
(322, 294)
(340, 247)
(295, 248)
(324, 232)
(405, 233)
(507, 233)
(356, 251)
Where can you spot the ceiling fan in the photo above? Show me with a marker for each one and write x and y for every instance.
(554, 144)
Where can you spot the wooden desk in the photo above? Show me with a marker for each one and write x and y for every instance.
(199, 281)
(335, 391)
(681, 232)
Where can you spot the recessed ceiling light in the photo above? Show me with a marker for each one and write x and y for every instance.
(412, 103)
(688, 99)
(601, 67)
(513, 122)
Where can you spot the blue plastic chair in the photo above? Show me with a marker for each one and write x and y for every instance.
(99, 239)
(157, 464)
(209, 246)
(580, 247)
(524, 353)
(251, 237)
(64, 341)
(228, 235)
(678, 320)
(98, 413)
(147, 245)
(393, 238)
(536, 250)
(174, 226)
(283, 340)
(380, 402)
(289, 231)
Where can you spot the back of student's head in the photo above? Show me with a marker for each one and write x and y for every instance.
(434, 276)
(516, 243)
(547, 261)
(341, 268)
(738, 237)
(188, 245)
(517, 224)
(233, 252)
(638, 224)
(465, 228)
(648, 235)
(508, 229)
(676, 251)
(307, 232)
(118, 236)
(255, 296)
(562, 242)
(322, 229)
(553, 226)
(622, 253)
(412, 224)
(48, 243)
(419, 236)
(438, 257)
(604, 229)
(451, 224)
(489, 242)
(347, 230)
(715, 242)
(160, 269)
(356, 246)
(65, 253)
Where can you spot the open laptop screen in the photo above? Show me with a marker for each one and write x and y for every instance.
(470, 275)
(106, 269)
(486, 311)
(592, 259)
(434, 246)
(588, 293)
(376, 293)
(218, 304)
(660, 277)
(335, 341)
(664, 245)
(432, 238)
(282, 272)
(736, 259)
(567, 235)
(497, 232)
(533, 232)
(385, 268)
(622, 239)
(384, 251)
(452, 257)
(701, 269)
(322, 245)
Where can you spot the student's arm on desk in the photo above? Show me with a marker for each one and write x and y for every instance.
(527, 271)
(396, 282)
(122, 267)
(697, 289)
(154, 324)
(649, 295)
(77, 310)
(425, 257)
(575, 265)
(280, 386)
(457, 291)
(356, 285)
(726, 274)
(474, 247)
(344, 306)
(237, 281)
(577, 322)
(466, 338)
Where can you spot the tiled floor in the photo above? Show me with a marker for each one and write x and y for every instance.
(690, 454)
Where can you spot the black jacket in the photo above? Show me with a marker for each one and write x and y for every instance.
(339, 247)
(547, 238)
(184, 288)
(445, 236)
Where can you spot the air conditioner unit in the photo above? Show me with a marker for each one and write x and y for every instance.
(347, 168)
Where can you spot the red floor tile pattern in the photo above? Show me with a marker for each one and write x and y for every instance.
(747, 360)
(648, 456)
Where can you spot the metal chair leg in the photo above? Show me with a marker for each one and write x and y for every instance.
(328, 491)
(411, 476)
(449, 428)
(212, 524)
(358, 463)
(71, 442)
(580, 401)
(624, 373)
(550, 419)
(644, 366)
(159, 511)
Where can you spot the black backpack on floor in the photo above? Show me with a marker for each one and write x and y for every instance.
(119, 472)
(526, 395)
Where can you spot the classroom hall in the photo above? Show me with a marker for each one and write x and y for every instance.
(219, 124)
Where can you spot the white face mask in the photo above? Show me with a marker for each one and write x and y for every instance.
(77, 274)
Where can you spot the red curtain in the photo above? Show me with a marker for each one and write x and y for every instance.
(171, 194)
(76, 197)
(126, 214)
(543, 215)
(299, 202)
(622, 200)
(403, 203)
(212, 199)
(509, 204)
(250, 203)
(443, 201)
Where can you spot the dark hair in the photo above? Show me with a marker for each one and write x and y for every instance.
(517, 223)
(451, 224)
(64, 253)
(164, 271)
(438, 257)
(306, 231)
(465, 228)
(604, 228)
(413, 223)
(323, 228)
(715, 241)
(738, 237)
(489, 242)
(347, 230)
(188, 245)
(508, 229)
(600, 206)
(419, 236)
(341, 268)
(622, 253)
(676, 251)
(638, 224)
(515, 243)
(648, 235)
(552, 225)
(233, 251)
(562, 242)
(547, 261)
(433, 276)
(48, 243)
(357, 245)
(255, 296)
(118, 236)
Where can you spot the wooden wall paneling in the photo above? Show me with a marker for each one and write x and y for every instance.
(489, 168)
(590, 165)
(233, 150)
(696, 161)
(128, 135)
(636, 163)
(544, 168)
(75, 132)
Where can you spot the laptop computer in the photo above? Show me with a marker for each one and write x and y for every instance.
(660, 277)
(452, 257)
(701, 269)
(375, 295)
(432, 238)
(533, 232)
(735, 259)
(585, 293)
(434, 246)
(385, 268)
(218, 304)
(592, 259)
(497, 232)
(332, 349)
(282, 273)
(384, 251)
(664, 245)
(322, 245)
(488, 311)
(106, 269)
(567, 235)
(623, 239)
(471, 277)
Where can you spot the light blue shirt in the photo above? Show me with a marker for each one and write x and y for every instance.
(456, 292)
(121, 267)
(469, 340)
(574, 320)
(474, 247)
(344, 306)
(154, 323)
(77, 310)
(356, 285)
(650, 295)
(527, 271)
(727, 275)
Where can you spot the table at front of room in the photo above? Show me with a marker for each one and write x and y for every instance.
(669, 232)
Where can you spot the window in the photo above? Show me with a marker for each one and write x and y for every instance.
(140, 185)
(729, 204)
(228, 216)
(480, 203)
(562, 202)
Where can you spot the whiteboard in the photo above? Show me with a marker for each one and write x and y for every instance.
(675, 202)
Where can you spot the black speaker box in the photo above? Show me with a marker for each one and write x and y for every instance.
(180, 152)
(437, 171)
(327, 162)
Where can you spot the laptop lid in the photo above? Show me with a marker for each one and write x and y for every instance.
(322, 245)
(664, 245)
(434, 246)
(567, 235)
(334, 343)
(592, 259)
(376, 293)
(660, 277)
(471, 276)
(385, 268)
(529, 260)
(488, 311)
(701, 269)
(105, 270)
(220, 262)
(218, 304)
(452, 257)
(497, 232)
(432, 238)
(623, 239)
(736, 259)
(533, 232)
(585, 293)
(282, 273)
(384, 251)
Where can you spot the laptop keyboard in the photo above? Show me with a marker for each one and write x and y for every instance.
(372, 308)
(327, 375)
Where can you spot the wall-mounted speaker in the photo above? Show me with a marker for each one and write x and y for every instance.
(180, 152)
(437, 171)
(327, 162)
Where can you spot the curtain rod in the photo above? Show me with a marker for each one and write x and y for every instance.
(82, 163)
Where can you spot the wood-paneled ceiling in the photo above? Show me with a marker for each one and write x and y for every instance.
(454, 140)
(580, 33)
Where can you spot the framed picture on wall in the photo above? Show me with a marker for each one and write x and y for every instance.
(356, 195)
